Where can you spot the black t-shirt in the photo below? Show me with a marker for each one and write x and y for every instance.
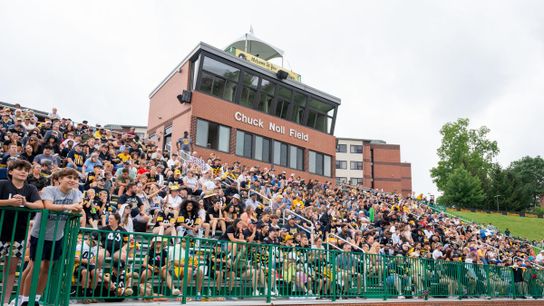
(155, 259)
(7, 191)
(230, 230)
(131, 200)
(163, 218)
(39, 182)
(213, 212)
(113, 241)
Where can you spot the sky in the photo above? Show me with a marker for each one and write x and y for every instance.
(401, 68)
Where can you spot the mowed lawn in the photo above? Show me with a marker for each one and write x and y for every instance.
(529, 228)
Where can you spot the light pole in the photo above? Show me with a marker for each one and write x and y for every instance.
(497, 201)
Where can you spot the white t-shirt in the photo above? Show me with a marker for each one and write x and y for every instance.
(437, 254)
(175, 202)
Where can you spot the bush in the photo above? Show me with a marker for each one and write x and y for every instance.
(539, 211)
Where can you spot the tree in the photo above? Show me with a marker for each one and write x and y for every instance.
(463, 190)
(531, 172)
(464, 148)
(508, 190)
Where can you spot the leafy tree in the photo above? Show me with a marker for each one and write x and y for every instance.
(465, 148)
(508, 190)
(463, 190)
(531, 171)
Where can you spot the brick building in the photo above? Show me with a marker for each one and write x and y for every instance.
(374, 164)
(242, 108)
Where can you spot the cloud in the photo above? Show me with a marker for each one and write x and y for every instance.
(401, 68)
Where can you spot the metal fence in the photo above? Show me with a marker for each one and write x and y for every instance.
(148, 266)
(52, 260)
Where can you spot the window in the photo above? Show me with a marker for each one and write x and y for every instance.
(212, 135)
(280, 153)
(320, 115)
(219, 79)
(267, 96)
(356, 165)
(296, 158)
(356, 149)
(341, 180)
(167, 144)
(282, 102)
(249, 90)
(341, 148)
(262, 149)
(299, 103)
(341, 164)
(355, 181)
(319, 163)
(267, 150)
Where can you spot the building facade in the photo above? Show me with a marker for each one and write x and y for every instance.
(243, 112)
(372, 164)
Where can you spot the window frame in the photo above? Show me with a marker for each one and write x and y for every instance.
(219, 126)
(329, 119)
(344, 162)
(321, 157)
(355, 162)
(342, 144)
(271, 151)
(352, 146)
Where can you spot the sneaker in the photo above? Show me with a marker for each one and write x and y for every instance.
(176, 292)
(401, 297)
(198, 298)
(256, 292)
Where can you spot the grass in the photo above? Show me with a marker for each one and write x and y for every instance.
(529, 228)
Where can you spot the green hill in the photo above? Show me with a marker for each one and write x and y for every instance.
(529, 228)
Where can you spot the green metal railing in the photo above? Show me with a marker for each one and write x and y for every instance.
(149, 266)
(15, 227)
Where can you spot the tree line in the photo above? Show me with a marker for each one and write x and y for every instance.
(469, 177)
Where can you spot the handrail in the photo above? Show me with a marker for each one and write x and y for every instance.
(345, 241)
(263, 196)
(311, 232)
(523, 259)
(299, 216)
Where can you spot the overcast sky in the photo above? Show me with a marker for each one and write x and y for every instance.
(401, 68)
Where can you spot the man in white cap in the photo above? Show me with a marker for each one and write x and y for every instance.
(540, 257)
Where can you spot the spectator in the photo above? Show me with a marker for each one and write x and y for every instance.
(184, 144)
(59, 198)
(17, 193)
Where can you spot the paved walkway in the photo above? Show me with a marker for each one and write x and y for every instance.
(301, 301)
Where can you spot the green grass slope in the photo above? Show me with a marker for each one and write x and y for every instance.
(529, 228)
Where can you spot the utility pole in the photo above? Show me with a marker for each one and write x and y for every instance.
(497, 201)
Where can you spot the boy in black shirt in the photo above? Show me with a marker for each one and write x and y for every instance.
(15, 192)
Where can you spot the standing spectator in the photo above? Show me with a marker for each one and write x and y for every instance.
(184, 144)
(65, 196)
(53, 114)
(15, 192)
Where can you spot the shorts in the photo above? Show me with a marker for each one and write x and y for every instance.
(88, 268)
(17, 249)
(302, 277)
(179, 272)
(48, 247)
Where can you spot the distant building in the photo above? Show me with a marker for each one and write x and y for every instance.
(372, 164)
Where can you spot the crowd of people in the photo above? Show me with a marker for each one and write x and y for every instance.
(120, 182)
